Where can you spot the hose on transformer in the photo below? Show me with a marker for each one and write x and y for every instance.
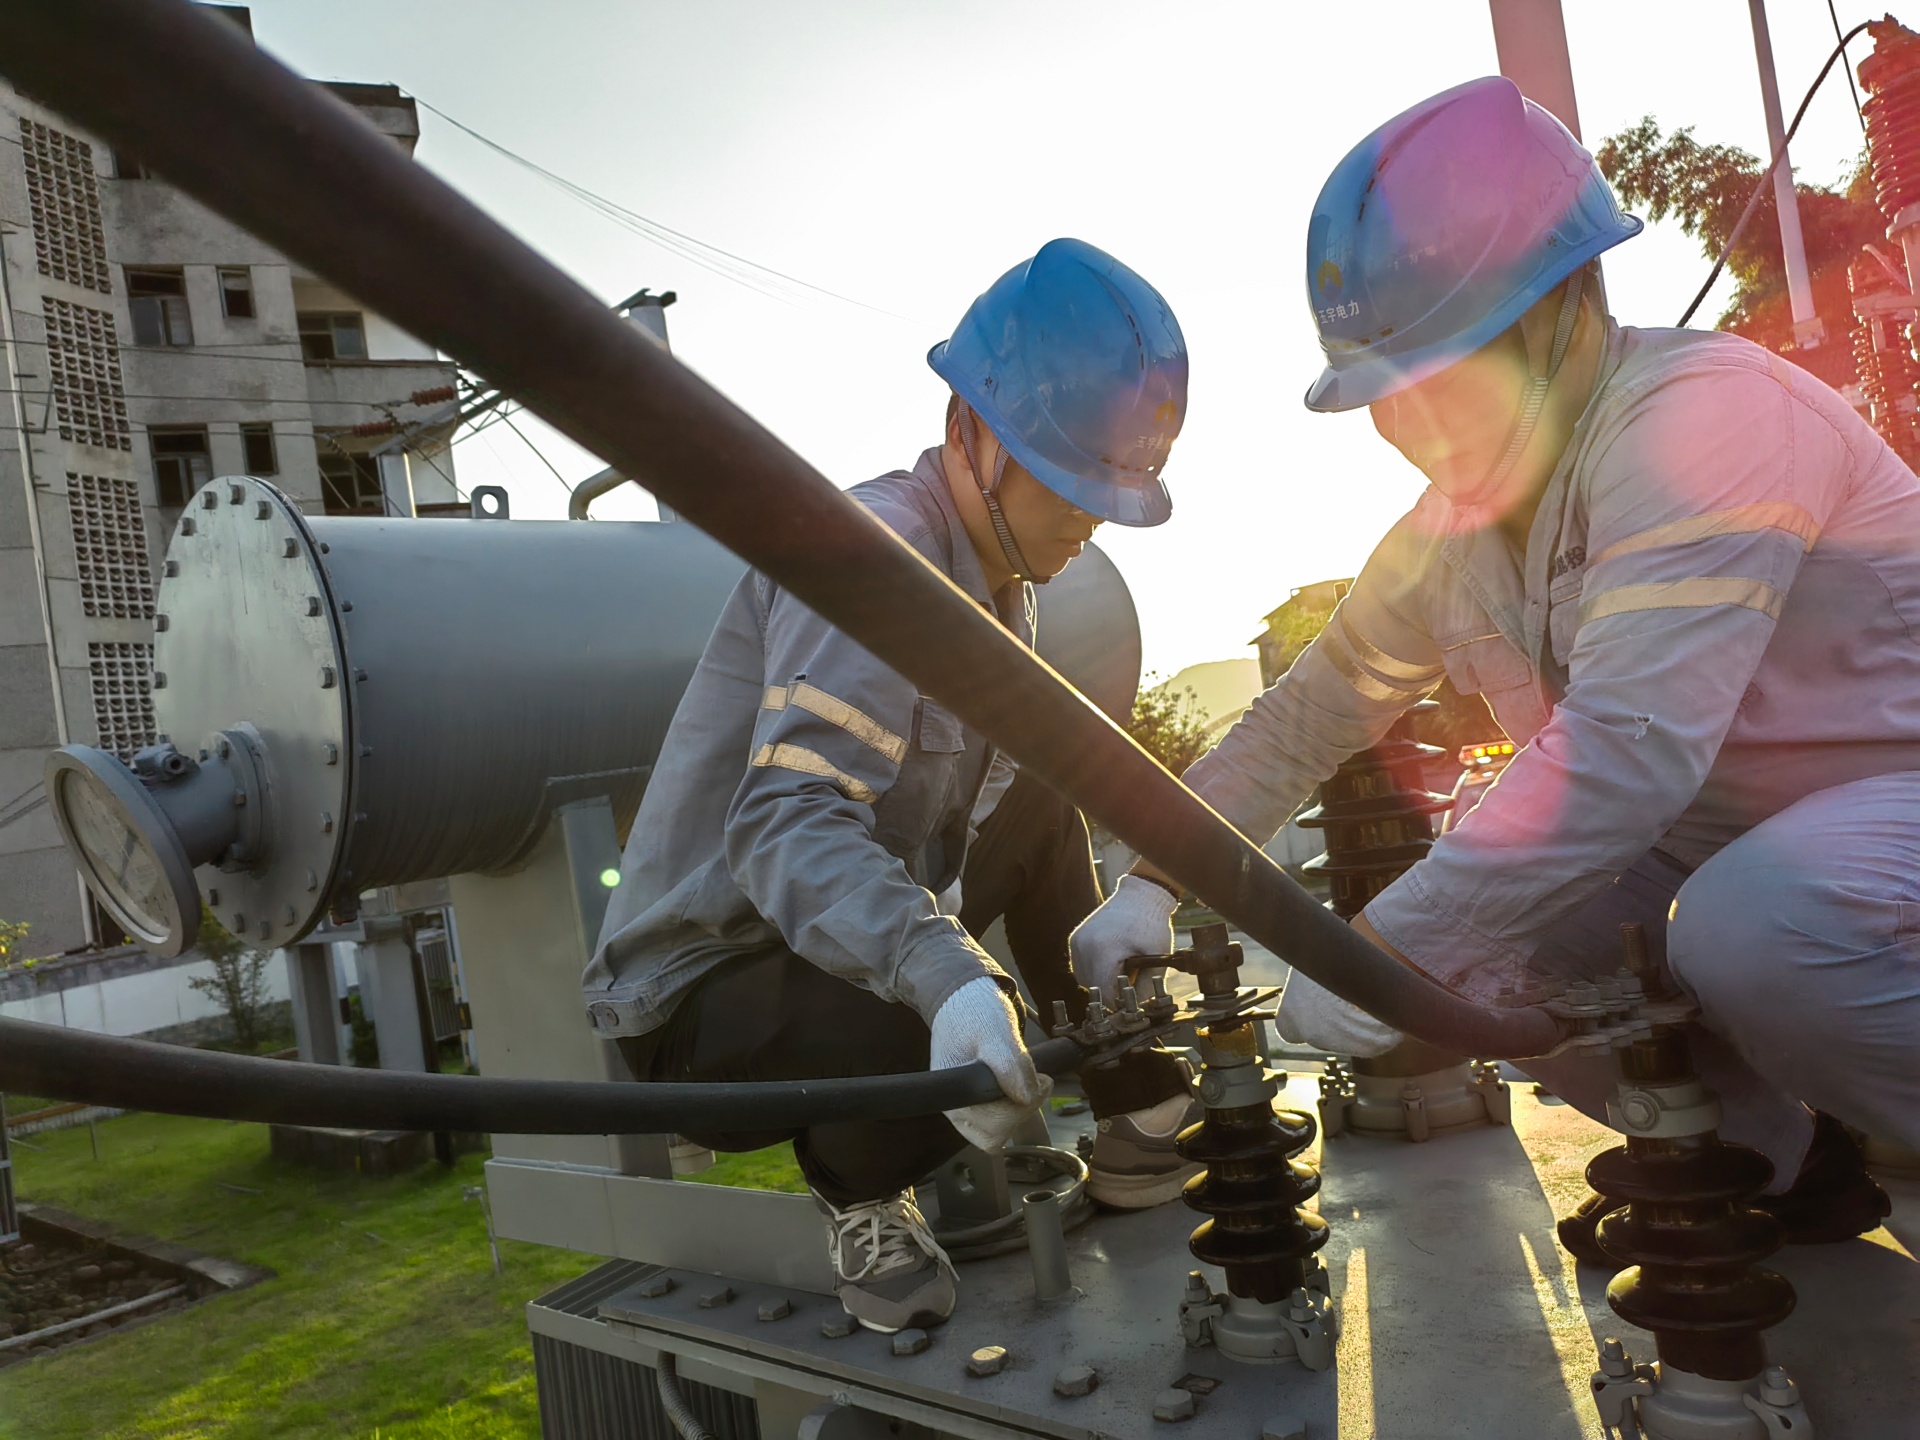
(268, 150)
(177, 1080)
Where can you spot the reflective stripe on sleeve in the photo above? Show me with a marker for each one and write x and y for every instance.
(1707, 590)
(835, 711)
(1409, 683)
(1782, 515)
(1391, 666)
(808, 762)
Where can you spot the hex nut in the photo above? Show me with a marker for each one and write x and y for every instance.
(1073, 1381)
(1284, 1427)
(776, 1309)
(1173, 1406)
(911, 1342)
(656, 1286)
(838, 1327)
(987, 1360)
(714, 1299)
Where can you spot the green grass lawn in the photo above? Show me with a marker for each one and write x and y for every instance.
(384, 1318)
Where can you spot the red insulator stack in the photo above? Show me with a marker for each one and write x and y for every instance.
(1891, 78)
(1883, 355)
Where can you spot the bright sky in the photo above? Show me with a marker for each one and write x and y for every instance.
(906, 153)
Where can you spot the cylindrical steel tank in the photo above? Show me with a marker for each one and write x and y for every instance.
(365, 701)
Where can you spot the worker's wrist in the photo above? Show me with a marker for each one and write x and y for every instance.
(1154, 877)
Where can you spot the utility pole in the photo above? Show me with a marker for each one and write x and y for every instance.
(1808, 331)
(1530, 39)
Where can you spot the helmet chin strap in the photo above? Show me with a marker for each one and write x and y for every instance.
(1533, 399)
(990, 492)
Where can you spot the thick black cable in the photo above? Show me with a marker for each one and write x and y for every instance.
(1766, 176)
(177, 1080)
(267, 149)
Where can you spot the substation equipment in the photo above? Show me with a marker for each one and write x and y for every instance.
(1378, 814)
(360, 702)
(364, 702)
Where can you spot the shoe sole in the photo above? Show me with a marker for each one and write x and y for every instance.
(919, 1320)
(1138, 1192)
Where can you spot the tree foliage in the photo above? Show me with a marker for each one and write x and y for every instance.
(1170, 727)
(239, 980)
(1705, 187)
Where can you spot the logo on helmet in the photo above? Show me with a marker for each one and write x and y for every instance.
(1328, 277)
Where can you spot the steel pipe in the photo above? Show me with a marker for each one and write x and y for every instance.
(272, 153)
(176, 1080)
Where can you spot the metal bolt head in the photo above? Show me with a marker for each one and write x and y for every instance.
(1198, 1290)
(656, 1286)
(159, 679)
(326, 822)
(987, 1360)
(289, 547)
(838, 1327)
(236, 492)
(209, 500)
(1640, 1112)
(170, 569)
(1283, 1427)
(714, 1299)
(1173, 1406)
(329, 752)
(1614, 1359)
(1073, 1381)
(777, 1308)
(1777, 1388)
(262, 509)
(187, 527)
(161, 621)
(328, 677)
(911, 1342)
(313, 604)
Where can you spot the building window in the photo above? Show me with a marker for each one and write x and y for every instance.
(181, 463)
(64, 195)
(236, 292)
(158, 300)
(83, 374)
(110, 548)
(122, 676)
(130, 167)
(350, 483)
(257, 443)
(332, 335)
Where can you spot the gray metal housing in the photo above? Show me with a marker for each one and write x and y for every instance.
(389, 700)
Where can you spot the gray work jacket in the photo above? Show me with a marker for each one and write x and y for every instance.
(1715, 615)
(806, 795)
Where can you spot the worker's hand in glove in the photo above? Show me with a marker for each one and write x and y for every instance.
(1136, 920)
(978, 1022)
(1311, 1014)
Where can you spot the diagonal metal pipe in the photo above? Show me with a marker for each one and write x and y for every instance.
(272, 152)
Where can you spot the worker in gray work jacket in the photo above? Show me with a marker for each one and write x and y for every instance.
(802, 889)
(1685, 576)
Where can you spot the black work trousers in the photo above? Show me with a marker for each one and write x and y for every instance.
(774, 1016)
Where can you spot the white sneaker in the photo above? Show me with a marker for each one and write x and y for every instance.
(889, 1271)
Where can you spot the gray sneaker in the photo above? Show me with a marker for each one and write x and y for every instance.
(889, 1271)
(1134, 1165)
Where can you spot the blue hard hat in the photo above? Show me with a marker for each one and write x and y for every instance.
(1079, 369)
(1440, 229)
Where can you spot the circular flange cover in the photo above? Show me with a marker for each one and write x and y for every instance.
(250, 636)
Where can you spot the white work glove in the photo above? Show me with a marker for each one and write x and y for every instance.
(1313, 1015)
(1136, 920)
(978, 1022)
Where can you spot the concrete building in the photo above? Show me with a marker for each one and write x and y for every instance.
(147, 346)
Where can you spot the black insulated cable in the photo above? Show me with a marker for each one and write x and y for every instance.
(176, 1080)
(268, 150)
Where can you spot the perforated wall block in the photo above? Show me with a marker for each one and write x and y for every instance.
(110, 548)
(83, 373)
(64, 195)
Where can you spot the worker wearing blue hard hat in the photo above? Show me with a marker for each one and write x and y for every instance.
(1684, 575)
(820, 844)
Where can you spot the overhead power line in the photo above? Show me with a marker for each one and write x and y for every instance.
(776, 284)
